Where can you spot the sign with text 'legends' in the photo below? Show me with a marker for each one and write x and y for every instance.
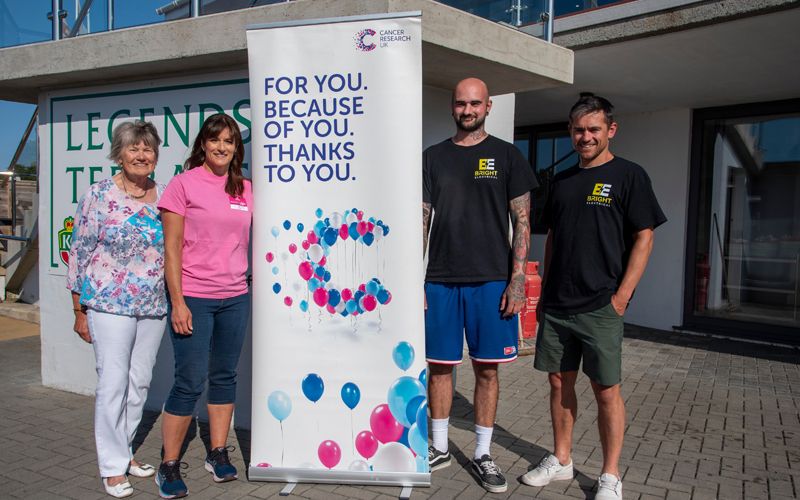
(339, 381)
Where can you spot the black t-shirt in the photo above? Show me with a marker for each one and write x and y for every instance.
(593, 214)
(469, 188)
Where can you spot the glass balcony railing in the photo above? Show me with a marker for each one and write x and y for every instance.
(525, 12)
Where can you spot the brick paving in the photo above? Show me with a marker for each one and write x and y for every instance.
(706, 418)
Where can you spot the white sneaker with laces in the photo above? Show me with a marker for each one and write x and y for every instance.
(549, 469)
(609, 487)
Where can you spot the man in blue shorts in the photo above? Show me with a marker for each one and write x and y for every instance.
(600, 216)
(472, 183)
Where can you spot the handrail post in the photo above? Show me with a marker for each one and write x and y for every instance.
(56, 19)
(195, 8)
(110, 11)
(550, 16)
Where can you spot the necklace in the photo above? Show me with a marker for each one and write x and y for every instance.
(125, 187)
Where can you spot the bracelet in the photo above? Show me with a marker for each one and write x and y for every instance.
(79, 309)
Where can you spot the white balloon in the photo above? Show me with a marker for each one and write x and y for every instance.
(358, 465)
(394, 457)
(315, 252)
(351, 217)
(335, 220)
(378, 232)
(340, 306)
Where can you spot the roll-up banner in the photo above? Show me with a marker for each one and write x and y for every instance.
(339, 380)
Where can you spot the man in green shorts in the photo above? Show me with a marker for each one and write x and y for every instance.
(600, 216)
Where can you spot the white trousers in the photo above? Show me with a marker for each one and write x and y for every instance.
(125, 349)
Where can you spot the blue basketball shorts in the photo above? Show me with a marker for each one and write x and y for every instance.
(471, 310)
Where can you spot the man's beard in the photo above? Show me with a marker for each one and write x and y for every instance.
(477, 124)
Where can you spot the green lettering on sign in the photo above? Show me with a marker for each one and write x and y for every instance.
(92, 130)
(70, 147)
(74, 171)
(113, 117)
(204, 106)
(169, 117)
(241, 119)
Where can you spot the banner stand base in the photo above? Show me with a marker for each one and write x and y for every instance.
(405, 493)
(292, 476)
(287, 490)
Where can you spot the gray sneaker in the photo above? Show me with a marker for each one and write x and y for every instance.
(490, 475)
(609, 487)
(549, 469)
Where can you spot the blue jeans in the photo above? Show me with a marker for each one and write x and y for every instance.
(210, 353)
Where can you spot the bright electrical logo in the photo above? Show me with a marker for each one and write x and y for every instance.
(486, 169)
(601, 195)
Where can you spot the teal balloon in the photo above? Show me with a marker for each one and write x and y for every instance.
(400, 394)
(313, 284)
(372, 287)
(413, 407)
(403, 355)
(351, 395)
(304, 305)
(417, 441)
(279, 405)
(423, 377)
(319, 228)
(318, 212)
(422, 463)
(351, 306)
(275, 231)
(313, 387)
(422, 419)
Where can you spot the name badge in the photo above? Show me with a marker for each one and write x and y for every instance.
(238, 203)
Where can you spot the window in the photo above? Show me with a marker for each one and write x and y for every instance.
(549, 149)
(743, 264)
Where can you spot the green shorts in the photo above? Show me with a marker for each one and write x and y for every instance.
(595, 336)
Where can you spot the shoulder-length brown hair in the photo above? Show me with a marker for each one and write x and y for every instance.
(212, 127)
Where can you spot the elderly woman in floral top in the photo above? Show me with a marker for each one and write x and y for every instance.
(116, 276)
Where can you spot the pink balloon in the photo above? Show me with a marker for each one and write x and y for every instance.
(306, 270)
(288, 301)
(321, 296)
(360, 214)
(330, 309)
(388, 297)
(384, 425)
(366, 444)
(343, 232)
(270, 257)
(322, 261)
(329, 453)
(292, 248)
(306, 244)
(361, 227)
(347, 294)
(370, 226)
(370, 302)
(362, 288)
(312, 237)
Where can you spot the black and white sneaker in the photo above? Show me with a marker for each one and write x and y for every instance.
(489, 474)
(438, 460)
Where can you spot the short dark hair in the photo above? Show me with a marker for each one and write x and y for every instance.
(590, 103)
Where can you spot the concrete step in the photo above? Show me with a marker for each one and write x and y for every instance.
(20, 311)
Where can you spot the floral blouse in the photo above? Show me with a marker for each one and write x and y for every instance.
(116, 261)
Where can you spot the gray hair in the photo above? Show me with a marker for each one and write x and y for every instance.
(131, 133)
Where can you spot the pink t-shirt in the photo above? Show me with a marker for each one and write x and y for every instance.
(216, 233)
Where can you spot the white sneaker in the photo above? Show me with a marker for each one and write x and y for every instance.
(549, 469)
(609, 487)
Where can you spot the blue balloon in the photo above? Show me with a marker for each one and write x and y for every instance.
(279, 405)
(417, 441)
(300, 227)
(358, 295)
(403, 355)
(330, 236)
(334, 297)
(386, 230)
(404, 438)
(373, 287)
(313, 387)
(303, 305)
(318, 212)
(287, 224)
(327, 276)
(351, 395)
(313, 284)
(319, 271)
(319, 228)
(423, 377)
(413, 407)
(382, 296)
(276, 288)
(368, 238)
(353, 231)
(422, 419)
(401, 392)
(344, 313)
(351, 306)
(274, 231)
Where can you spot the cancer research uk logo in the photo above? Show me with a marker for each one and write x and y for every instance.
(65, 239)
(365, 40)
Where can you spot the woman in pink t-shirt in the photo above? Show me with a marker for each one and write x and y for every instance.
(207, 213)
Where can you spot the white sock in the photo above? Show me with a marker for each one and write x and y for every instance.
(483, 440)
(439, 431)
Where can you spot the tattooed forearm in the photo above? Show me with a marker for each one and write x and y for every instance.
(519, 208)
(426, 223)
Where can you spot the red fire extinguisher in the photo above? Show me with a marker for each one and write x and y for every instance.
(533, 290)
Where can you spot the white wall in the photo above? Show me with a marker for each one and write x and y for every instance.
(660, 142)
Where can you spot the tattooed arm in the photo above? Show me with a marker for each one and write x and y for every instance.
(426, 229)
(514, 296)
